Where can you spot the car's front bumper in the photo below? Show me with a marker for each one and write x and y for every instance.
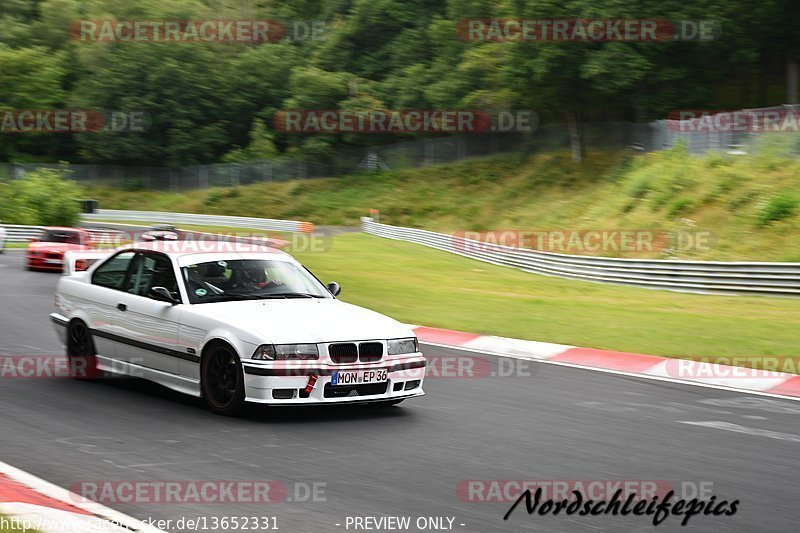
(39, 262)
(60, 323)
(286, 383)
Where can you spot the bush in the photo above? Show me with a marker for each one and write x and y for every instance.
(778, 208)
(639, 188)
(133, 185)
(44, 197)
(716, 159)
(680, 206)
(214, 197)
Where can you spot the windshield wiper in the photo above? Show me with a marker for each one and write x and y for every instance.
(288, 295)
(224, 297)
(251, 296)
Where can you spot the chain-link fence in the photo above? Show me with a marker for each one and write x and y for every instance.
(768, 129)
(388, 157)
(698, 135)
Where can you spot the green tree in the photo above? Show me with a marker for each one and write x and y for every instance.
(30, 79)
(44, 197)
(262, 146)
(182, 88)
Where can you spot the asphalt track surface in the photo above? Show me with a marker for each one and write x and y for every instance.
(556, 423)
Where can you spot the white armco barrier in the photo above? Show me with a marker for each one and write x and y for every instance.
(16, 233)
(160, 217)
(764, 278)
(22, 233)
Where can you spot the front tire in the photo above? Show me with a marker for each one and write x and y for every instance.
(222, 380)
(81, 352)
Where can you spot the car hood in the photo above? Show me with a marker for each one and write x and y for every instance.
(305, 320)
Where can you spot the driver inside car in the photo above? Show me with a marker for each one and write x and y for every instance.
(253, 278)
(256, 278)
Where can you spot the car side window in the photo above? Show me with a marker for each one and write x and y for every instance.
(152, 270)
(113, 272)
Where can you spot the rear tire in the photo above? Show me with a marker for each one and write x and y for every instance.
(222, 380)
(81, 353)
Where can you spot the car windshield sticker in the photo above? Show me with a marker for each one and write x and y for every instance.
(201, 292)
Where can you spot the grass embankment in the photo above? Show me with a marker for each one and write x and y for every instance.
(748, 203)
(420, 285)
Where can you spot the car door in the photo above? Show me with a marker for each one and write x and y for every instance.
(100, 301)
(150, 326)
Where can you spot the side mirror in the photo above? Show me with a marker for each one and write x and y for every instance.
(162, 295)
(334, 288)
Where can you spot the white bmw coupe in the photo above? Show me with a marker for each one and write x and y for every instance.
(231, 326)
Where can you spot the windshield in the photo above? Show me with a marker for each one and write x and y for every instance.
(249, 279)
(67, 237)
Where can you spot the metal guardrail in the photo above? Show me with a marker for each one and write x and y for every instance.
(16, 233)
(113, 215)
(22, 233)
(102, 237)
(765, 278)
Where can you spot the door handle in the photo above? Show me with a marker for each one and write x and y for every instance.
(122, 307)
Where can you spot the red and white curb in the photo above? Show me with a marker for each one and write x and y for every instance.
(47, 508)
(734, 378)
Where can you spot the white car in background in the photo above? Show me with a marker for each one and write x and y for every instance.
(161, 232)
(233, 327)
(2, 239)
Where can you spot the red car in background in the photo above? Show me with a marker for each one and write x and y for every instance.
(47, 252)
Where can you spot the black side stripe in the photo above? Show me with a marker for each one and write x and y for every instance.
(146, 346)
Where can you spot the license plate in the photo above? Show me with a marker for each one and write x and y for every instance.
(358, 377)
(53, 261)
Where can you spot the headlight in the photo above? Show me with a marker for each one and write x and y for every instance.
(283, 352)
(398, 346)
